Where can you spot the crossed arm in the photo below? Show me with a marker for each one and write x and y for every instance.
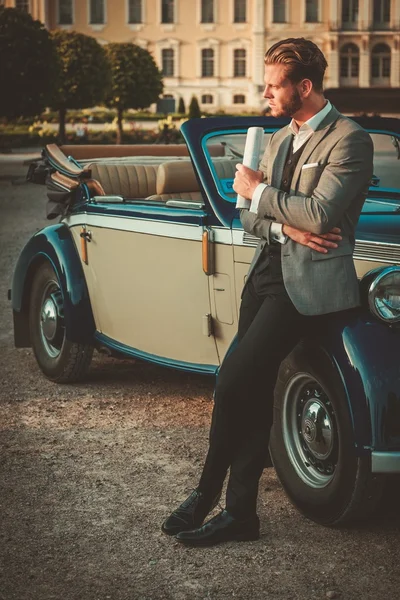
(261, 228)
(311, 221)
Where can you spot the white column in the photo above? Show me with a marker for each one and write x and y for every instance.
(365, 16)
(365, 63)
(258, 50)
(395, 68)
(334, 14)
(44, 13)
(333, 64)
(258, 42)
(396, 15)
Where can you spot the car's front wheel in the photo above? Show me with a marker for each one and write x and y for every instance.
(313, 447)
(60, 360)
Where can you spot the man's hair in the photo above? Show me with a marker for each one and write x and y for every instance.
(302, 59)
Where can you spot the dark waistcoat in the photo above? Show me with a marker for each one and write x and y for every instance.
(268, 271)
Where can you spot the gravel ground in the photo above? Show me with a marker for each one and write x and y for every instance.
(89, 471)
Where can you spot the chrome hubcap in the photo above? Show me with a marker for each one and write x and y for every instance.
(316, 428)
(310, 431)
(52, 320)
(49, 319)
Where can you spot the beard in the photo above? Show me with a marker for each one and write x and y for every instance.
(289, 107)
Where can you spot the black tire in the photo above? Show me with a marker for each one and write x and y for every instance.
(312, 443)
(60, 360)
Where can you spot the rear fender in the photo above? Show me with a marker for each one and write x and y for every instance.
(55, 245)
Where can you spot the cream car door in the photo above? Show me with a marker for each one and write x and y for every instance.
(146, 283)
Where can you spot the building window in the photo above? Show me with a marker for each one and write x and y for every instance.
(239, 99)
(349, 13)
(207, 99)
(381, 13)
(239, 63)
(167, 11)
(135, 12)
(65, 15)
(207, 11)
(97, 16)
(380, 64)
(207, 62)
(349, 64)
(239, 11)
(168, 62)
(22, 5)
(279, 11)
(312, 11)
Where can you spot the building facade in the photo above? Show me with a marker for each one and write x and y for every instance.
(214, 49)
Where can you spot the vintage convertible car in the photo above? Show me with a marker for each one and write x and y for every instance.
(149, 259)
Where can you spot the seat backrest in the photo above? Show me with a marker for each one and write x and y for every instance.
(128, 181)
(176, 177)
(225, 168)
(176, 181)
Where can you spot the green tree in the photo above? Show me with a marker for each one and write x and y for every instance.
(136, 82)
(181, 106)
(28, 65)
(85, 73)
(194, 108)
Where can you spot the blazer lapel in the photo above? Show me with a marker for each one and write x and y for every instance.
(279, 162)
(313, 142)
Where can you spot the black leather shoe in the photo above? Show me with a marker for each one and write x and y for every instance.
(190, 514)
(222, 528)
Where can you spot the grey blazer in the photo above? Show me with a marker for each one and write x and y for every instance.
(329, 194)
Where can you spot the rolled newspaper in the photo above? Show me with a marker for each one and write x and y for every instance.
(251, 157)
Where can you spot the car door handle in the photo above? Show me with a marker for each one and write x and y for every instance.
(208, 251)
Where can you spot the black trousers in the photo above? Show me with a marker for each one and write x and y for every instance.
(269, 328)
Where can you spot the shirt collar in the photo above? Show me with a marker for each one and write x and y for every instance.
(312, 123)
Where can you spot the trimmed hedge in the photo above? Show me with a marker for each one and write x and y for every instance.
(12, 139)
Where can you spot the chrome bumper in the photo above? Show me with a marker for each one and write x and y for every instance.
(385, 462)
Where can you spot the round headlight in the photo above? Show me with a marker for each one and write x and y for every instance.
(384, 295)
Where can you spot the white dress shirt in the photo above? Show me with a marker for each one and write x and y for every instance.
(300, 136)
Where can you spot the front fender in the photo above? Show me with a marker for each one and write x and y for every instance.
(366, 353)
(55, 245)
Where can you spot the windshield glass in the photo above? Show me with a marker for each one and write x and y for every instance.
(386, 161)
(222, 163)
(231, 148)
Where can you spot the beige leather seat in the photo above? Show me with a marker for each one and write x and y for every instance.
(176, 181)
(225, 169)
(128, 181)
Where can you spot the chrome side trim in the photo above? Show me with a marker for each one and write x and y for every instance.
(183, 231)
(378, 252)
(365, 250)
(250, 240)
(385, 462)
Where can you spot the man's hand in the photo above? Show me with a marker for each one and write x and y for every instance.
(320, 243)
(246, 181)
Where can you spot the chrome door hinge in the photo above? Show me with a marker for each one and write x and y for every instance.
(207, 325)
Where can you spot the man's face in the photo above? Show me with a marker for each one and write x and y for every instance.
(283, 96)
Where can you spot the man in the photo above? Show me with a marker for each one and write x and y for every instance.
(312, 184)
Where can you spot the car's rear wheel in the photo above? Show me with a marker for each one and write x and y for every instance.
(312, 444)
(60, 360)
